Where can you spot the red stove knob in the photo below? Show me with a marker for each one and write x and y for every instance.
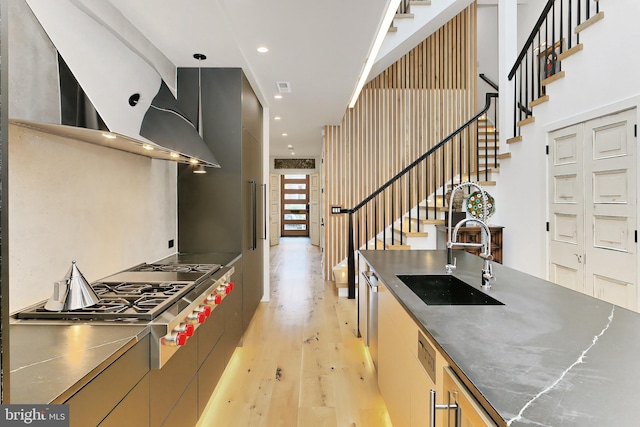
(214, 299)
(202, 317)
(181, 338)
(230, 285)
(227, 288)
(187, 329)
(206, 310)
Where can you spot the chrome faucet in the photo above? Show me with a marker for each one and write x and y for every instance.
(487, 269)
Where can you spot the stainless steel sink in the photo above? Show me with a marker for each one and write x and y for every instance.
(446, 290)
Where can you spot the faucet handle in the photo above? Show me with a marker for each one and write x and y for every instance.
(451, 267)
(487, 276)
(486, 257)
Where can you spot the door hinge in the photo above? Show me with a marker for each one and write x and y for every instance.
(547, 225)
(547, 150)
(636, 236)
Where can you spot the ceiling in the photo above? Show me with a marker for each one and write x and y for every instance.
(318, 47)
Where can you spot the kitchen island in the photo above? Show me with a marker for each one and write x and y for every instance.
(548, 356)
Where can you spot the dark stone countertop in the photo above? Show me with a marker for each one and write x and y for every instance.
(548, 357)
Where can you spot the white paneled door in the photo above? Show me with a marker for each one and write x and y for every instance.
(593, 208)
(566, 219)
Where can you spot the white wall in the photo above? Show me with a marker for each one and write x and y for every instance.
(487, 49)
(601, 79)
(69, 200)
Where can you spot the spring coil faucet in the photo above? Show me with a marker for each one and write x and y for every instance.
(487, 269)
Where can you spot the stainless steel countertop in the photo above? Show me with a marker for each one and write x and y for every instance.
(50, 362)
(548, 357)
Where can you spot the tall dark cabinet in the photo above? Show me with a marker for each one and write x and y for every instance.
(223, 210)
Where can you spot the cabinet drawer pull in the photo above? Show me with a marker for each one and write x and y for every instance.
(434, 407)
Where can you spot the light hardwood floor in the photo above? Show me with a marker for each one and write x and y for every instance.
(301, 363)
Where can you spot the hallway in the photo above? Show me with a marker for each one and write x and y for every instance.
(301, 363)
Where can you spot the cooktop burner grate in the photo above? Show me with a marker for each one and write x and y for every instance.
(119, 301)
(180, 268)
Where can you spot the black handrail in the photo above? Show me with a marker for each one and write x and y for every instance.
(527, 44)
(351, 244)
(488, 81)
(488, 98)
(540, 60)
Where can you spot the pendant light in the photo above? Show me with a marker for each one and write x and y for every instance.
(200, 57)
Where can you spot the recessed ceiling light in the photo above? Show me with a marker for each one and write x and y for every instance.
(293, 154)
(277, 96)
(174, 154)
(193, 161)
(290, 147)
(263, 49)
(147, 147)
(200, 169)
(285, 134)
(109, 135)
(277, 118)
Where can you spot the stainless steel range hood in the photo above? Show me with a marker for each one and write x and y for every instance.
(136, 110)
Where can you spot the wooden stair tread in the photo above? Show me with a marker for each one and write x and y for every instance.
(514, 139)
(539, 101)
(589, 22)
(506, 155)
(392, 29)
(557, 76)
(526, 121)
(406, 233)
(414, 220)
(404, 16)
(567, 53)
(389, 246)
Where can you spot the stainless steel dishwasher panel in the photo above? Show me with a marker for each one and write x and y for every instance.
(372, 318)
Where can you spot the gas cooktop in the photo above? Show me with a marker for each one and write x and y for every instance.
(119, 301)
(182, 268)
(140, 293)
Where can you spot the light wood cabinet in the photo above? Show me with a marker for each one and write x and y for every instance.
(403, 382)
(410, 366)
(471, 413)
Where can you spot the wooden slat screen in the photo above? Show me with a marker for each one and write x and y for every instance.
(401, 113)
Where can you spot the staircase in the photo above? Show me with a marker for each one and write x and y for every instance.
(555, 37)
(413, 200)
(414, 222)
(415, 231)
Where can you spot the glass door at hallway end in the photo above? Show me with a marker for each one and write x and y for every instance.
(295, 205)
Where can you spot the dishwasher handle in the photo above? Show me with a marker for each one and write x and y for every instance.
(371, 279)
(434, 407)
